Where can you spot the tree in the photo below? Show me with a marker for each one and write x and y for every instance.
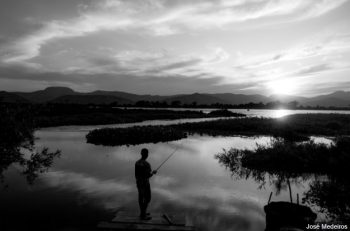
(293, 104)
(176, 103)
(114, 104)
(17, 123)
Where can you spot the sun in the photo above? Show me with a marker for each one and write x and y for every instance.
(283, 86)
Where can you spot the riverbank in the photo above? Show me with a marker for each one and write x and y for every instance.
(82, 116)
(296, 127)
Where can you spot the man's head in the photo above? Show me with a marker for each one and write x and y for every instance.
(144, 153)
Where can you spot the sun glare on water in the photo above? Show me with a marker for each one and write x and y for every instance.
(281, 112)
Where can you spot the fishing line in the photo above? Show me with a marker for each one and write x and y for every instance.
(171, 155)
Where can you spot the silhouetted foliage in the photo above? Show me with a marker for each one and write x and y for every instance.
(332, 197)
(134, 135)
(282, 163)
(17, 123)
(292, 158)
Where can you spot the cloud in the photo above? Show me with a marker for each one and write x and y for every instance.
(160, 64)
(219, 56)
(319, 68)
(318, 8)
(328, 42)
(325, 88)
(159, 18)
(181, 64)
(124, 81)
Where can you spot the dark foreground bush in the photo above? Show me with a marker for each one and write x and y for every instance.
(294, 158)
(134, 135)
(284, 163)
(332, 197)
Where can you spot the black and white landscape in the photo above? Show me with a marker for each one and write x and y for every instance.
(243, 106)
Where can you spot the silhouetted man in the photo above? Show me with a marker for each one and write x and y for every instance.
(142, 173)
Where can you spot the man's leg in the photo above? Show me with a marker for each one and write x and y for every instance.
(143, 203)
(141, 199)
(147, 198)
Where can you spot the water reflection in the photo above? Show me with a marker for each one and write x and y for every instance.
(95, 181)
(191, 182)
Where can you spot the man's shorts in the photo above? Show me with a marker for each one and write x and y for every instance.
(144, 192)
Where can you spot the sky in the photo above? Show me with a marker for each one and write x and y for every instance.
(166, 47)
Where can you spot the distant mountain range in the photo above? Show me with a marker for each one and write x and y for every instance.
(96, 99)
(12, 98)
(67, 95)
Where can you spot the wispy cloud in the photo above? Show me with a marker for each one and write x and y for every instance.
(321, 68)
(329, 42)
(160, 18)
(142, 63)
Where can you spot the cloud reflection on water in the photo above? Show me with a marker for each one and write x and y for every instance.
(111, 192)
(222, 203)
(191, 182)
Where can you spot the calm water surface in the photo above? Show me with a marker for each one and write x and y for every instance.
(263, 112)
(89, 183)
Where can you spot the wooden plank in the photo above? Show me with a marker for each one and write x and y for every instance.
(135, 214)
(121, 226)
(176, 219)
(168, 219)
(137, 220)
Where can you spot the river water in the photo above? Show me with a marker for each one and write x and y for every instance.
(89, 183)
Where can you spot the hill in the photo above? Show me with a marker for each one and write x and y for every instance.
(336, 99)
(48, 94)
(328, 102)
(95, 99)
(12, 98)
(129, 96)
(199, 98)
(240, 98)
(342, 95)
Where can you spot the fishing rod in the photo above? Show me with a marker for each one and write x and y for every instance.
(171, 155)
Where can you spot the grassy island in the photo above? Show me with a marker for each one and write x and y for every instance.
(134, 135)
(292, 128)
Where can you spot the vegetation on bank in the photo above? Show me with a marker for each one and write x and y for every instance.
(289, 162)
(54, 115)
(17, 125)
(294, 158)
(291, 128)
(134, 135)
(292, 105)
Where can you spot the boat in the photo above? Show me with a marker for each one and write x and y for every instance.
(285, 214)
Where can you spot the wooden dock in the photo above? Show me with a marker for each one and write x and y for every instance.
(128, 220)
